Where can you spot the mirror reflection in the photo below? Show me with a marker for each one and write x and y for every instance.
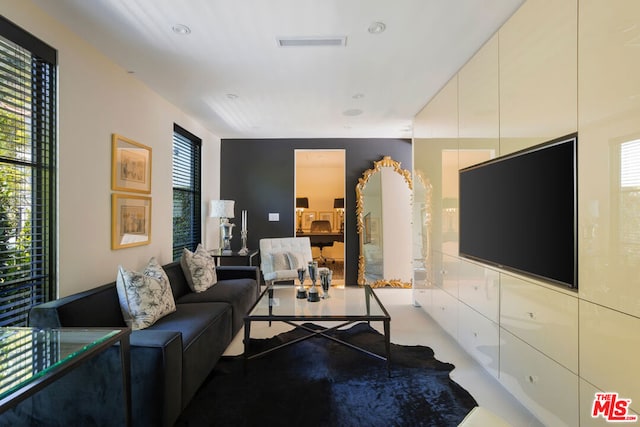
(383, 210)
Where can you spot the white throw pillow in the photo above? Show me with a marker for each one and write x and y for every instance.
(280, 261)
(199, 269)
(296, 260)
(144, 297)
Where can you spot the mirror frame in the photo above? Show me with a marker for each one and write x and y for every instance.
(386, 162)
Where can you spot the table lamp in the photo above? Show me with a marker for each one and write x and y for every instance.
(338, 204)
(223, 209)
(302, 203)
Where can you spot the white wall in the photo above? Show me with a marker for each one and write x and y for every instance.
(98, 98)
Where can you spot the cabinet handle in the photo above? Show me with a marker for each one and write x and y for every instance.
(532, 379)
(530, 314)
(475, 335)
(442, 308)
(443, 272)
(475, 288)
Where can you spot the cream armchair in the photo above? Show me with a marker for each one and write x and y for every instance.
(281, 257)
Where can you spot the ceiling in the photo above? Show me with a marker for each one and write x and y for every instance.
(230, 73)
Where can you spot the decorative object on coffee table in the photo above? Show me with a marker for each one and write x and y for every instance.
(314, 296)
(325, 281)
(302, 292)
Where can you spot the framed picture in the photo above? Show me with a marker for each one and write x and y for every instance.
(130, 165)
(307, 218)
(327, 216)
(130, 221)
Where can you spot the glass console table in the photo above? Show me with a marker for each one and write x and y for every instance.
(31, 358)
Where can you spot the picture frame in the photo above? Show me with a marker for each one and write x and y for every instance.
(130, 165)
(328, 216)
(307, 218)
(130, 221)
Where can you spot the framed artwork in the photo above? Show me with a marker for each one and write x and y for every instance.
(327, 216)
(130, 221)
(130, 165)
(307, 218)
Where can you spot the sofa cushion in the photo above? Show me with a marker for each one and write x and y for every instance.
(239, 293)
(144, 297)
(191, 319)
(199, 268)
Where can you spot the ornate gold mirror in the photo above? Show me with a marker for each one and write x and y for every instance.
(383, 211)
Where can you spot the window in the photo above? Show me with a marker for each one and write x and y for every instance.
(186, 191)
(27, 173)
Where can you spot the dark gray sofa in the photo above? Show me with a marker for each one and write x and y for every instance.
(169, 360)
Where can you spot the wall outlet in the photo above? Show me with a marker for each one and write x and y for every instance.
(274, 217)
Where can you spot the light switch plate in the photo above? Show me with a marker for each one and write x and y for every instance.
(274, 217)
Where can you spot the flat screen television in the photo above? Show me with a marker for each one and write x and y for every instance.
(519, 212)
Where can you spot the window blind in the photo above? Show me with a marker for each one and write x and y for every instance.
(186, 191)
(27, 179)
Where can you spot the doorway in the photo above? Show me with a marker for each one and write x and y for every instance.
(320, 195)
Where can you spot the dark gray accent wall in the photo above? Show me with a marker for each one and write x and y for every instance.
(259, 175)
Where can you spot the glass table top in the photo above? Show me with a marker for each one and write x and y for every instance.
(27, 354)
(340, 304)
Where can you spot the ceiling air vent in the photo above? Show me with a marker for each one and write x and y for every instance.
(311, 41)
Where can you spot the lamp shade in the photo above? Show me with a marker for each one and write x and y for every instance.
(221, 208)
(302, 202)
(338, 203)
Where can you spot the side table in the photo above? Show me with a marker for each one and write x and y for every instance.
(248, 257)
(32, 358)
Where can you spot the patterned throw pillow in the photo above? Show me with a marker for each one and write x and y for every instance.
(199, 269)
(144, 297)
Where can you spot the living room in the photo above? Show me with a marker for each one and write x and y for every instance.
(577, 74)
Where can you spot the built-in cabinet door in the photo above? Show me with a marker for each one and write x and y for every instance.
(538, 74)
(479, 287)
(609, 141)
(444, 310)
(544, 318)
(587, 397)
(480, 337)
(450, 274)
(610, 350)
(546, 388)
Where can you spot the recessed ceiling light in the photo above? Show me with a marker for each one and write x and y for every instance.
(181, 29)
(352, 112)
(377, 27)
